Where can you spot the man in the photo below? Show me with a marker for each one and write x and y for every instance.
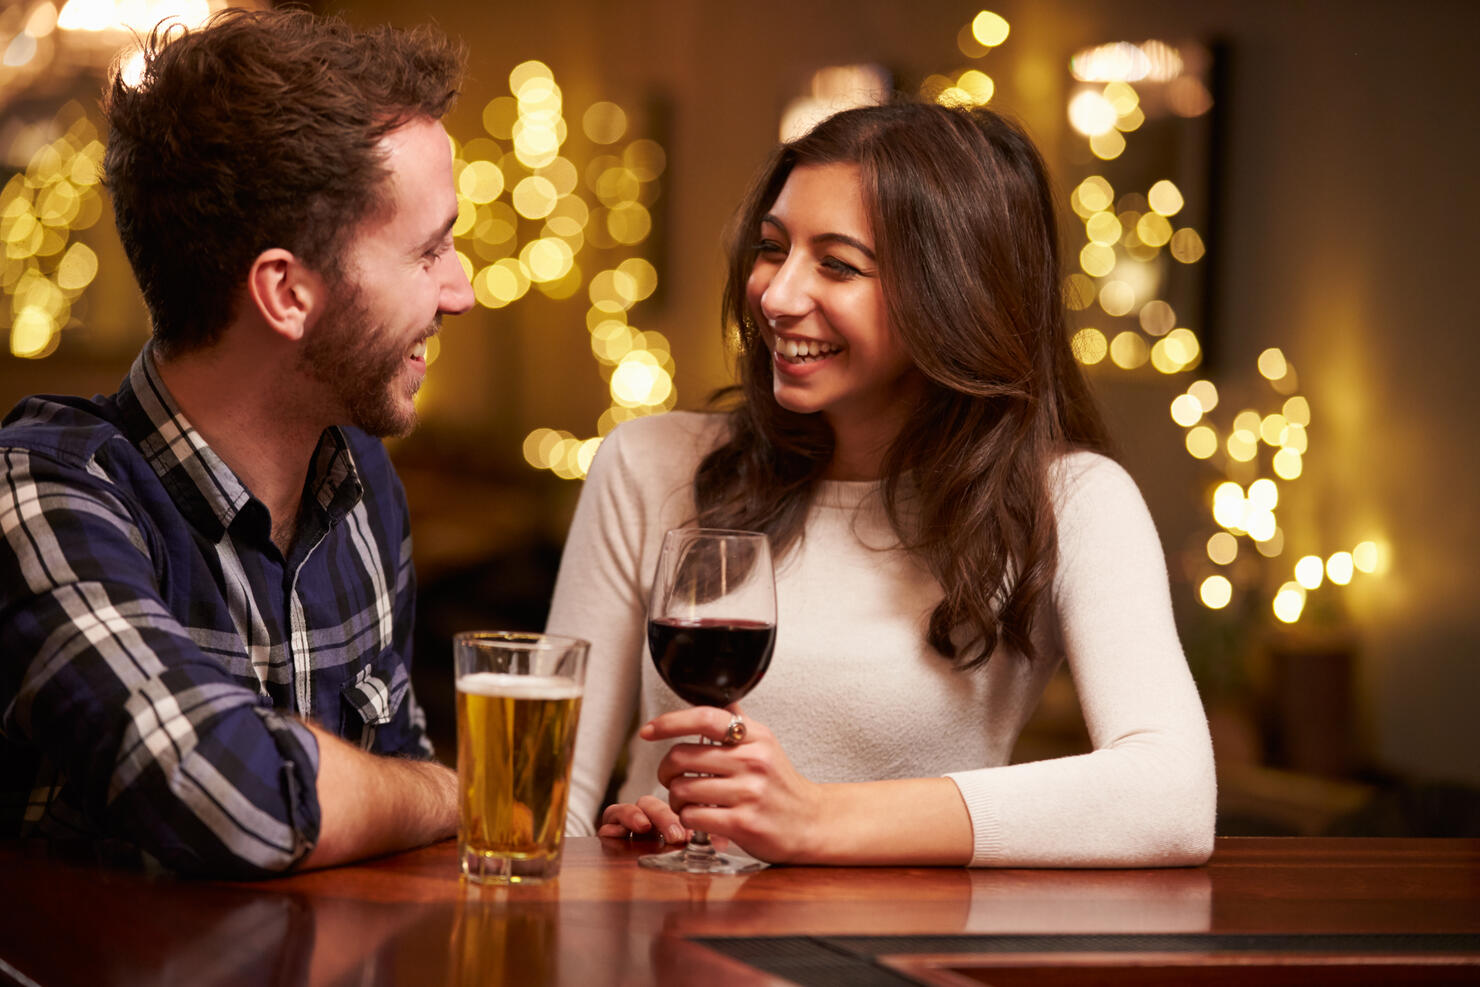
(206, 579)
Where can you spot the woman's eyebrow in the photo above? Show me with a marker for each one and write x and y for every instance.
(846, 240)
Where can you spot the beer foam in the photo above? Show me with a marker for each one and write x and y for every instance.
(507, 686)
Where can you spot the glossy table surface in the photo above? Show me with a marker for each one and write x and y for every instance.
(408, 919)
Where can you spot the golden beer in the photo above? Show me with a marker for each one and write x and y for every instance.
(515, 737)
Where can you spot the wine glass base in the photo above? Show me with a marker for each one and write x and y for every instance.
(695, 862)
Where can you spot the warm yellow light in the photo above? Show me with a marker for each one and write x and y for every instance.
(1339, 568)
(1186, 411)
(536, 444)
(1206, 393)
(1293, 437)
(604, 122)
(990, 29)
(1154, 229)
(1228, 504)
(1096, 259)
(1079, 291)
(77, 268)
(1157, 317)
(1121, 97)
(1273, 429)
(1090, 346)
(1289, 602)
(1272, 548)
(585, 454)
(1095, 194)
(32, 333)
(644, 277)
(1202, 442)
(1297, 411)
(1107, 147)
(1247, 421)
(1129, 122)
(1264, 494)
(1187, 247)
(1272, 363)
(562, 174)
(534, 197)
(499, 116)
(1287, 464)
(1366, 557)
(1117, 298)
(1165, 198)
(1128, 350)
(640, 380)
(611, 340)
(1091, 114)
(1259, 523)
(978, 85)
(527, 72)
(1223, 548)
(1104, 228)
(954, 96)
(645, 159)
(629, 223)
(1242, 447)
(547, 259)
(1216, 592)
(1181, 350)
(480, 181)
(1309, 571)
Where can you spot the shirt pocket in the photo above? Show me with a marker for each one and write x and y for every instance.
(373, 698)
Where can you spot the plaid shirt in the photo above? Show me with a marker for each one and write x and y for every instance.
(157, 651)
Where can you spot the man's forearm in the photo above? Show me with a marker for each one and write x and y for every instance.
(371, 805)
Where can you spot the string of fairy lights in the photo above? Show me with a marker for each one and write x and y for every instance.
(534, 216)
(44, 269)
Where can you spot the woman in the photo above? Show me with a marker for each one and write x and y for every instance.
(916, 438)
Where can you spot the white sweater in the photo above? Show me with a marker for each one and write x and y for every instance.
(855, 693)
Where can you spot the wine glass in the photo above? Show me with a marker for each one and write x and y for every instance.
(711, 629)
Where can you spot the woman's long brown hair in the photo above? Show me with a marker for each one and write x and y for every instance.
(965, 232)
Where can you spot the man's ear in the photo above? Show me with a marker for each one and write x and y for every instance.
(287, 293)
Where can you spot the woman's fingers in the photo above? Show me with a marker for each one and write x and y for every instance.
(719, 726)
(650, 816)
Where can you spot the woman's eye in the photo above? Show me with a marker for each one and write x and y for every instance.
(770, 247)
(840, 269)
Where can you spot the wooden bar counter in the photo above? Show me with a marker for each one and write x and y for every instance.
(1263, 911)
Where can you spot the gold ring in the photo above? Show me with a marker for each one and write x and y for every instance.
(735, 732)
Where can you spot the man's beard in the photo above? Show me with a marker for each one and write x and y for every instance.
(363, 370)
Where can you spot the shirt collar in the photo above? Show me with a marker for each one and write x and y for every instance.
(204, 488)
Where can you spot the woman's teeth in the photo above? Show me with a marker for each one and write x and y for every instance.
(804, 350)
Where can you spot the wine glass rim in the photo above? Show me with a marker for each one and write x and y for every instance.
(717, 532)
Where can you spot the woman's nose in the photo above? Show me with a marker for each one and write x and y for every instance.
(788, 295)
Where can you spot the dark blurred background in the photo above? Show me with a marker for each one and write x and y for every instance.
(1268, 209)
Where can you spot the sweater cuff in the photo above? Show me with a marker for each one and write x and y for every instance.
(986, 827)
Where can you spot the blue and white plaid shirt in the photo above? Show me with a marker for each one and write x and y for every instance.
(157, 651)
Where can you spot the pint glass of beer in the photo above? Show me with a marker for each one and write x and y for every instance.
(518, 700)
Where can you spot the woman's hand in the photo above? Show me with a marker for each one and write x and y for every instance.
(651, 816)
(746, 791)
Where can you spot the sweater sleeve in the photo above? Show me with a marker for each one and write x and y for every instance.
(1145, 796)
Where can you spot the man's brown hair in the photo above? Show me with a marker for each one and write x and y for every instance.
(259, 130)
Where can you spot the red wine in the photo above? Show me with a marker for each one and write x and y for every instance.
(711, 662)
